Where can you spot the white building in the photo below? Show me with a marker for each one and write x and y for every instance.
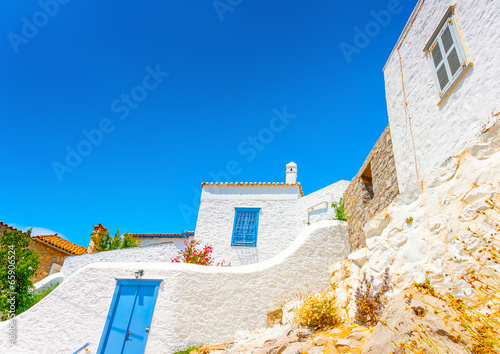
(251, 222)
(442, 83)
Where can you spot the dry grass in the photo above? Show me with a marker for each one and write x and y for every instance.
(318, 311)
(476, 316)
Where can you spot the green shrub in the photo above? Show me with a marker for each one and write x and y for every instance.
(318, 311)
(339, 210)
(187, 350)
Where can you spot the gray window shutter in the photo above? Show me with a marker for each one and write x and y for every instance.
(447, 39)
(453, 61)
(436, 55)
(442, 77)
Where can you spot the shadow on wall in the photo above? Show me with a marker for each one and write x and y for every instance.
(316, 212)
(247, 255)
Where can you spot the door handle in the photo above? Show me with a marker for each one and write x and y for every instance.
(128, 333)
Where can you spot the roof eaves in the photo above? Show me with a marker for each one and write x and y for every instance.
(246, 184)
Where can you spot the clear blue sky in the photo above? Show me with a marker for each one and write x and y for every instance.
(171, 92)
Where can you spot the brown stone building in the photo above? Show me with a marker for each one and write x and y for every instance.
(51, 249)
(371, 190)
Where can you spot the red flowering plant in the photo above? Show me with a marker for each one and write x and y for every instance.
(195, 254)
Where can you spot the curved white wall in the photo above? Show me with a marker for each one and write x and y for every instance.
(440, 132)
(154, 253)
(195, 304)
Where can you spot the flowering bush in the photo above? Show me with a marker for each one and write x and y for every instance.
(193, 254)
(368, 302)
(318, 311)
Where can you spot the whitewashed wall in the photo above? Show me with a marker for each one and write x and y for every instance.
(277, 226)
(195, 304)
(322, 211)
(178, 241)
(155, 253)
(442, 132)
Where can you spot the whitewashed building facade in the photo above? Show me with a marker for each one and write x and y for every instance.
(250, 222)
(442, 83)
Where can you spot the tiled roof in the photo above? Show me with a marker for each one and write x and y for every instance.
(8, 226)
(184, 234)
(59, 242)
(246, 184)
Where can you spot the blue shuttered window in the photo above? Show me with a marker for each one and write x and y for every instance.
(447, 54)
(245, 227)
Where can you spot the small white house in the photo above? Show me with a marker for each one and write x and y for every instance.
(442, 83)
(254, 221)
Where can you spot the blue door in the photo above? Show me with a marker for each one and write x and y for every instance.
(129, 318)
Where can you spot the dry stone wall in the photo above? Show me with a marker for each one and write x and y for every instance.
(372, 189)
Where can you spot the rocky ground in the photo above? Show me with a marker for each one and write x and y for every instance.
(402, 318)
(287, 339)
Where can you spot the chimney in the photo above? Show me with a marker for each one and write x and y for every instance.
(291, 173)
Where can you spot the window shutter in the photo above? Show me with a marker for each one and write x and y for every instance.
(442, 77)
(245, 227)
(436, 55)
(447, 40)
(454, 61)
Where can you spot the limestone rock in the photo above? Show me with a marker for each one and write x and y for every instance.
(402, 315)
(316, 350)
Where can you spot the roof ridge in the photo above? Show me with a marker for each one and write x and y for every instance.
(72, 248)
(226, 184)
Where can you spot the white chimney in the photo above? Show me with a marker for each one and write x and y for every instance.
(291, 173)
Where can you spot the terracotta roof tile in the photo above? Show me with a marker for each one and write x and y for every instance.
(246, 184)
(10, 227)
(59, 242)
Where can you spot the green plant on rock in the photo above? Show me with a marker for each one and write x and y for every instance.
(318, 311)
(339, 209)
(409, 219)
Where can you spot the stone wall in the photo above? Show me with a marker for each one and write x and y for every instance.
(371, 190)
(47, 256)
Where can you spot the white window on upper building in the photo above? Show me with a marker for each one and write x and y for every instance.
(447, 56)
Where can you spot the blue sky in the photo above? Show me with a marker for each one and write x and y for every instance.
(115, 112)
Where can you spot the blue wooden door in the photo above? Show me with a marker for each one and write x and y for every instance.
(129, 318)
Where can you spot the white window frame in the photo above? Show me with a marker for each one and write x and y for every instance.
(448, 22)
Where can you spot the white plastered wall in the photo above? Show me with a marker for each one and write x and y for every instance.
(436, 132)
(195, 304)
(318, 205)
(155, 253)
(277, 226)
(283, 214)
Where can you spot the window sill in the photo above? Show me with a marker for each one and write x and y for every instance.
(454, 84)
